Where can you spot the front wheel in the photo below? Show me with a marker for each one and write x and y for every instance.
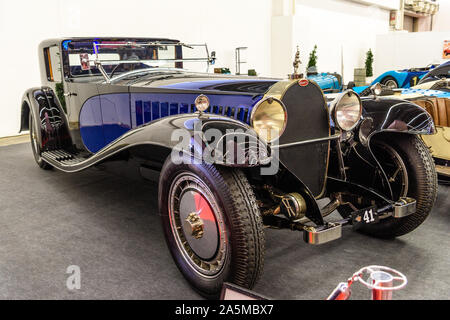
(212, 225)
(410, 172)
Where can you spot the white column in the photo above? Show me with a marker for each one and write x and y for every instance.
(282, 42)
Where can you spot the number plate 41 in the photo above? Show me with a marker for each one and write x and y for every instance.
(365, 216)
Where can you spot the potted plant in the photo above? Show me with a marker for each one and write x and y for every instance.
(369, 66)
(312, 63)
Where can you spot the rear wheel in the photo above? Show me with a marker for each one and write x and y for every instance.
(35, 146)
(390, 82)
(212, 225)
(410, 172)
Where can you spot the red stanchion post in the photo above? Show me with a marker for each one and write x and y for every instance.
(381, 282)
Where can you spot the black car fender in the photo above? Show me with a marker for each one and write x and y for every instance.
(29, 104)
(389, 115)
(47, 115)
(393, 115)
(210, 138)
(185, 135)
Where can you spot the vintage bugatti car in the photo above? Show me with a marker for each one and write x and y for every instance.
(233, 153)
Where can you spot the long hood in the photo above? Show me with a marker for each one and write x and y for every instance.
(199, 82)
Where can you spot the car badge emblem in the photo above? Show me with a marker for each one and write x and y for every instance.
(303, 83)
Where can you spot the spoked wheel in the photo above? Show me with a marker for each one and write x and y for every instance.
(393, 180)
(35, 147)
(212, 225)
(409, 171)
(390, 82)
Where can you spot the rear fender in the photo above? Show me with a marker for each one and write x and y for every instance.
(47, 115)
(30, 106)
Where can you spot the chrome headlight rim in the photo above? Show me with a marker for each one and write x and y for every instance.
(376, 89)
(335, 106)
(255, 109)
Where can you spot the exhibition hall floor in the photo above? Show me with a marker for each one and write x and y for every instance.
(106, 222)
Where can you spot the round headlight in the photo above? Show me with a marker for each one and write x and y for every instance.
(377, 89)
(269, 119)
(347, 110)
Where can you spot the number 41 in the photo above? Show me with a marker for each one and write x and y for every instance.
(368, 216)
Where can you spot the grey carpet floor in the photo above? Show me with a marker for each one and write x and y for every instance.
(106, 222)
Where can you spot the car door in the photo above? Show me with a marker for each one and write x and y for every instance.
(115, 110)
(84, 114)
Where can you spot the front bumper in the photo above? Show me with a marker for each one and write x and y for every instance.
(333, 230)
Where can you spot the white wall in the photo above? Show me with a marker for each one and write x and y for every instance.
(271, 29)
(334, 25)
(223, 25)
(406, 50)
(441, 21)
(283, 49)
(385, 4)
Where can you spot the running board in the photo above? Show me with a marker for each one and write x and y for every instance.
(62, 157)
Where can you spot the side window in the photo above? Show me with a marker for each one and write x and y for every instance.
(53, 64)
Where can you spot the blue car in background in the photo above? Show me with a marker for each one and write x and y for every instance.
(435, 83)
(403, 78)
(328, 82)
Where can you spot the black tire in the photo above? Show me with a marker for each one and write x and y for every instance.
(422, 185)
(35, 146)
(390, 82)
(244, 249)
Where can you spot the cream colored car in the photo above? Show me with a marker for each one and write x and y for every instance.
(434, 96)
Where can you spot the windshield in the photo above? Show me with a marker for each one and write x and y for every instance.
(115, 56)
(82, 58)
(443, 71)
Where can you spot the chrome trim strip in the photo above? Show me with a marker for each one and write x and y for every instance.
(299, 143)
